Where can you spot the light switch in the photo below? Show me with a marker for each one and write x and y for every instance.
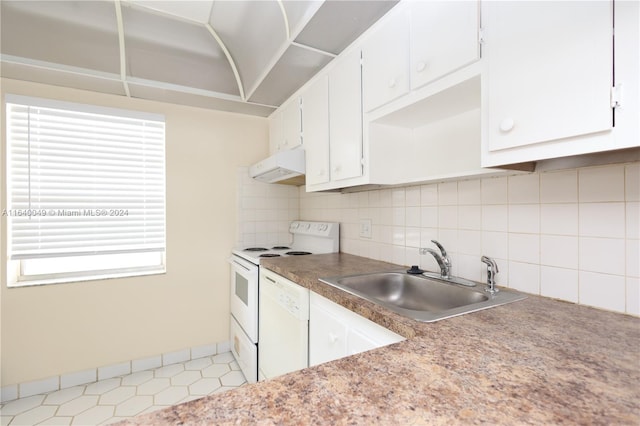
(365, 228)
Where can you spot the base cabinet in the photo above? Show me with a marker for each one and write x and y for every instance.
(336, 332)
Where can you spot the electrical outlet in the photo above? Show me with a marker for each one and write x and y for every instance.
(365, 228)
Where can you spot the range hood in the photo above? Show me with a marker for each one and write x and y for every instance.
(286, 167)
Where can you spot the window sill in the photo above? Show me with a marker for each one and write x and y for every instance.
(88, 277)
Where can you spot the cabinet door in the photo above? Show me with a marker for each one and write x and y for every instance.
(549, 70)
(385, 62)
(345, 118)
(327, 332)
(315, 125)
(291, 124)
(275, 132)
(444, 37)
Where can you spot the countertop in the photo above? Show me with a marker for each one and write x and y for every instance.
(536, 361)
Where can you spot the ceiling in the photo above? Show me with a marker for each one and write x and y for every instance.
(233, 55)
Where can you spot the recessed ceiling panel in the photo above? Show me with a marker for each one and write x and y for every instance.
(174, 51)
(294, 68)
(338, 23)
(254, 32)
(198, 11)
(74, 33)
(299, 13)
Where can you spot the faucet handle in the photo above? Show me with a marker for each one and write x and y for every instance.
(442, 250)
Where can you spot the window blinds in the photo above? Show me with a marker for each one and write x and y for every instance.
(82, 182)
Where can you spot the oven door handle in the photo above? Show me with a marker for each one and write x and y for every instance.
(236, 263)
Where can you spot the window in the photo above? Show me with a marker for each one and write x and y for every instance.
(85, 192)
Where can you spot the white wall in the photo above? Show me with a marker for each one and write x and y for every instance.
(56, 329)
(572, 235)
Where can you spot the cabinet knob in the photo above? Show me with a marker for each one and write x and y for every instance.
(421, 66)
(336, 169)
(321, 172)
(333, 338)
(286, 142)
(392, 83)
(506, 125)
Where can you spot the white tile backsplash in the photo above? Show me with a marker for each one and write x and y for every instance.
(600, 184)
(552, 233)
(559, 187)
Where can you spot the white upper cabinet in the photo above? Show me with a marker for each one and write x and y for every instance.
(548, 76)
(444, 38)
(285, 126)
(345, 117)
(315, 125)
(385, 54)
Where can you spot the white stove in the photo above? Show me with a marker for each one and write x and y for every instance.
(308, 238)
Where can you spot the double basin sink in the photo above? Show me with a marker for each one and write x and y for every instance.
(424, 297)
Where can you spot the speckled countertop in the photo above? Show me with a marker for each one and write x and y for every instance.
(536, 361)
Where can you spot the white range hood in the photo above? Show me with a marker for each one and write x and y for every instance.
(286, 167)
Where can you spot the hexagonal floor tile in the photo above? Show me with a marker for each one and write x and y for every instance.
(102, 387)
(35, 415)
(64, 395)
(168, 370)
(153, 386)
(134, 405)
(198, 364)
(77, 406)
(171, 396)
(57, 421)
(234, 365)
(117, 395)
(216, 370)
(233, 378)
(21, 405)
(224, 358)
(137, 378)
(204, 386)
(185, 378)
(94, 416)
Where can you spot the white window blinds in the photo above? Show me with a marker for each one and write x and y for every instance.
(82, 182)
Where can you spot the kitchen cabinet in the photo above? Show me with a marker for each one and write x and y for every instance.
(548, 79)
(315, 124)
(385, 58)
(285, 126)
(443, 38)
(336, 332)
(345, 118)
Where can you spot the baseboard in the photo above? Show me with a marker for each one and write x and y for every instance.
(50, 384)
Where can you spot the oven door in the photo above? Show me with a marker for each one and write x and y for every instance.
(244, 295)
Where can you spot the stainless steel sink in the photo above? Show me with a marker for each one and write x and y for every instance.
(422, 298)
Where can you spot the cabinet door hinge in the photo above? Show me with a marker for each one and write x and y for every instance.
(616, 96)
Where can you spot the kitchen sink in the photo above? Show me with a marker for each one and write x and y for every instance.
(422, 298)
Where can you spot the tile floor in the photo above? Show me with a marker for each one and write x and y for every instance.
(115, 399)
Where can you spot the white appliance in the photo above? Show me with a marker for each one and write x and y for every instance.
(307, 238)
(281, 166)
(284, 326)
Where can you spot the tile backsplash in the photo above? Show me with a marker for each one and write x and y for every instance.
(264, 211)
(572, 234)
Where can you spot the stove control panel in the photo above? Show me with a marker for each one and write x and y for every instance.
(320, 229)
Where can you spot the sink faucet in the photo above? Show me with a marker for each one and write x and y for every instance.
(444, 261)
(492, 270)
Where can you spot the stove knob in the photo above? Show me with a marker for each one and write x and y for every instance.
(294, 226)
(306, 226)
(323, 227)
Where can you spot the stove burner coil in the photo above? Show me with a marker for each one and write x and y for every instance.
(256, 249)
(269, 255)
(297, 253)
(280, 248)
